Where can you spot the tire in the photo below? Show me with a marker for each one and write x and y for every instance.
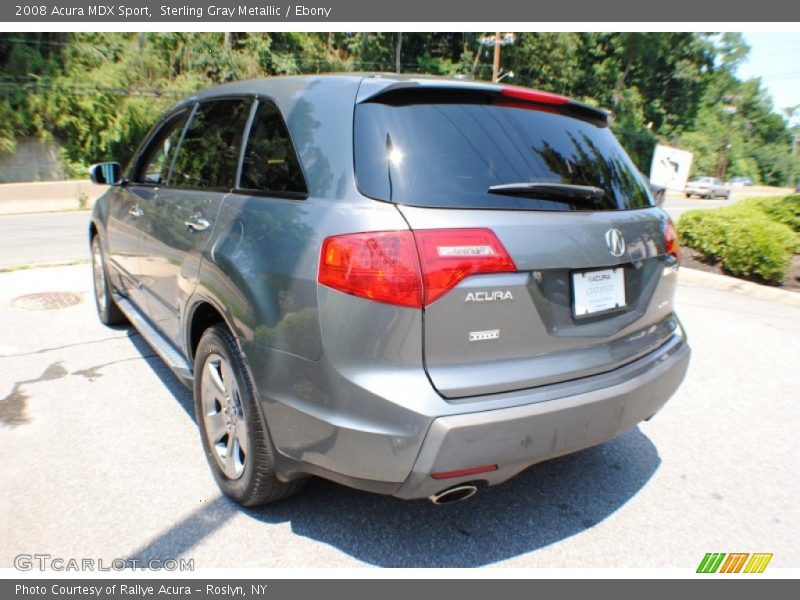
(688, 195)
(107, 310)
(235, 438)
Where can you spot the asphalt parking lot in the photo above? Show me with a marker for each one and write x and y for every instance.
(101, 459)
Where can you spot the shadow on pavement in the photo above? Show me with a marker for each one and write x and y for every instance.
(548, 503)
(182, 394)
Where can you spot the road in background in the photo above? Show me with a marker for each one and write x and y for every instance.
(101, 454)
(677, 203)
(43, 238)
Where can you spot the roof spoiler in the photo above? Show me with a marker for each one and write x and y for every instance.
(413, 90)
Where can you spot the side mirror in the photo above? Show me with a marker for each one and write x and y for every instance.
(106, 173)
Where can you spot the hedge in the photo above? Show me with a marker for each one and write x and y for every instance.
(753, 238)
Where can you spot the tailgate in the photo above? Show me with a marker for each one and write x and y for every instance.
(508, 331)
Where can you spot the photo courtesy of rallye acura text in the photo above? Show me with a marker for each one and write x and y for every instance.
(410, 286)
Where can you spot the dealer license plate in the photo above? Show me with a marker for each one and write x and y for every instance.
(598, 291)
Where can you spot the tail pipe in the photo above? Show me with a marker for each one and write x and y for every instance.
(457, 493)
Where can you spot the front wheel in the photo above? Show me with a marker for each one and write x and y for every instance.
(688, 195)
(235, 438)
(107, 310)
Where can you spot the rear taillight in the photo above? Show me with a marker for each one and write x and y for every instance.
(671, 240)
(381, 266)
(409, 269)
(449, 256)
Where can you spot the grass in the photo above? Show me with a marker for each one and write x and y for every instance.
(27, 266)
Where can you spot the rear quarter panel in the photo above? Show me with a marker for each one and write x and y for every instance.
(325, 364)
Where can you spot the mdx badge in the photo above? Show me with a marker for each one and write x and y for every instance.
(615, 242)
(480, 336)
(489, 296)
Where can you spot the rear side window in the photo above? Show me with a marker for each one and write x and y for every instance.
(270, 161)
(209, 153)
(449, 154)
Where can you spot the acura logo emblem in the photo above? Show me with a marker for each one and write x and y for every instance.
(615, 242)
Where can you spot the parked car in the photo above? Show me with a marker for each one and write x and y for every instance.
(707, 187)
(409, 286)
(740, 182)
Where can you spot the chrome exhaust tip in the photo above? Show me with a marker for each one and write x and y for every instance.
(457, 493)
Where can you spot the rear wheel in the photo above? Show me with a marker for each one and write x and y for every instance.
(235, 438)
(107, 310)
(688, 195)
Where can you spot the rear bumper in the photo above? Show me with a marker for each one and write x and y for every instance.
(518, 437)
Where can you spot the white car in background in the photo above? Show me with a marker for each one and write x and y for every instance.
(707, 187)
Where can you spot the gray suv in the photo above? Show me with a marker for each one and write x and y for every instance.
(409, 286)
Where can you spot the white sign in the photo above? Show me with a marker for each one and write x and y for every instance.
(670, 167)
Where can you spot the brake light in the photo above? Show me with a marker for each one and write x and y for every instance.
(448, 256)
(381, 266)
(534, 96)
(671, 240)
(409, 268)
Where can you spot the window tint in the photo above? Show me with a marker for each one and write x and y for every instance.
(449, 155)
(209, 154)
(270, 162)
(154, 165)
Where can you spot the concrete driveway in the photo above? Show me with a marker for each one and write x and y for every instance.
(101, 459)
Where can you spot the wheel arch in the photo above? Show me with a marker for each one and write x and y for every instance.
(203, 312)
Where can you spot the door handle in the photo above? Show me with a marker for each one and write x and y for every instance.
(136, 212)
(197, 224)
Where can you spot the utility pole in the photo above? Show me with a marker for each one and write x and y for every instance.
(790, 111)
(397, 51)
(729, 110)
(498, 41)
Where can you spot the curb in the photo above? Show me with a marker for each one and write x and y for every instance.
(731, 284)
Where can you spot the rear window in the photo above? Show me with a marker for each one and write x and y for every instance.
(449, 154)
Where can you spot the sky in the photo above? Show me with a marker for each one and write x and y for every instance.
(774, 59)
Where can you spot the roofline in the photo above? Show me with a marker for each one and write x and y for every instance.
(385, 83)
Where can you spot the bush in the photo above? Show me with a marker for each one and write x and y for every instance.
(751, 239)
(784, 209)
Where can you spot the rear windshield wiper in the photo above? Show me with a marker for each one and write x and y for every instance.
(555, 191)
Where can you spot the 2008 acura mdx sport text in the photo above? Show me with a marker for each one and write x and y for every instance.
(410, 286)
